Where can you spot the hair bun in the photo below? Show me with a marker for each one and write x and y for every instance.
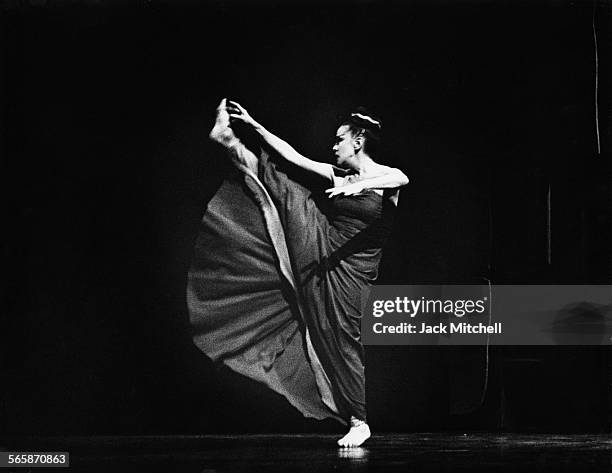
(364, 119)
(367, 118)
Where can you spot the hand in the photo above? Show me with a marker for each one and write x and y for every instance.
(349, 189)
(238, 112)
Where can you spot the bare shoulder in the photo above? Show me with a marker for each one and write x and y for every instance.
(380, 170)
(324, 170)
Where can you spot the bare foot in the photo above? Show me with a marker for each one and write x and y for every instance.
(357, 434)
(221, 132)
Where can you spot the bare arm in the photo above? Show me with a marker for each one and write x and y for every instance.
(237, 112)
(384, 177)
(392, 178)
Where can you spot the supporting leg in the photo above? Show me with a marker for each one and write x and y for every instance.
(358, 433)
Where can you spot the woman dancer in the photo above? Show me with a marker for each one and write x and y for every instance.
(333, 254)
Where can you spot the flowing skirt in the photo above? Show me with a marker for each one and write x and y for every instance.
(298, 333)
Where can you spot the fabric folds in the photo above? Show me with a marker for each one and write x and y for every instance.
(274, 289)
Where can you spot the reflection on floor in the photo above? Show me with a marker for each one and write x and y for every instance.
(317, 453)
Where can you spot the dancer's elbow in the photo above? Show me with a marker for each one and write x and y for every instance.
(402, 179)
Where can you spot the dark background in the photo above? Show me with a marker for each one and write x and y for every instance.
(106, 106)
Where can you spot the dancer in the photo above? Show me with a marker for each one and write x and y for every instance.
(328, 255)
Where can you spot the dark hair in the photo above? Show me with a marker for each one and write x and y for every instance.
(361, 122)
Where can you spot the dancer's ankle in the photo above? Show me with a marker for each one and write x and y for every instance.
(355, 422)
(224, 136)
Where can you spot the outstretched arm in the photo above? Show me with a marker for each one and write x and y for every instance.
(237, 112)
(384, 178)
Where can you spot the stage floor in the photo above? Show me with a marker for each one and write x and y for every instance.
(317, 453)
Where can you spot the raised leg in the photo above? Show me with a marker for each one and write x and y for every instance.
(223, 134)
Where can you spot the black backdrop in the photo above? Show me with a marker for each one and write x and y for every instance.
(487, 106)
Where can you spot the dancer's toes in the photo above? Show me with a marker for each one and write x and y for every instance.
(222, 104)
(355, 436)
(342, 441)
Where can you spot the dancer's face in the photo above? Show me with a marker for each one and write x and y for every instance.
(345, 147)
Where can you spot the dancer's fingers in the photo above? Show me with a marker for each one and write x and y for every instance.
(222, 104)
(338, 191)
(239, 107)
(235, 110)
(236, 104)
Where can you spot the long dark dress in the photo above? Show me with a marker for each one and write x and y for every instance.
(300, 339)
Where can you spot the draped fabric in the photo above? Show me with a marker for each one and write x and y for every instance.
(240, 307)
(299, 335)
